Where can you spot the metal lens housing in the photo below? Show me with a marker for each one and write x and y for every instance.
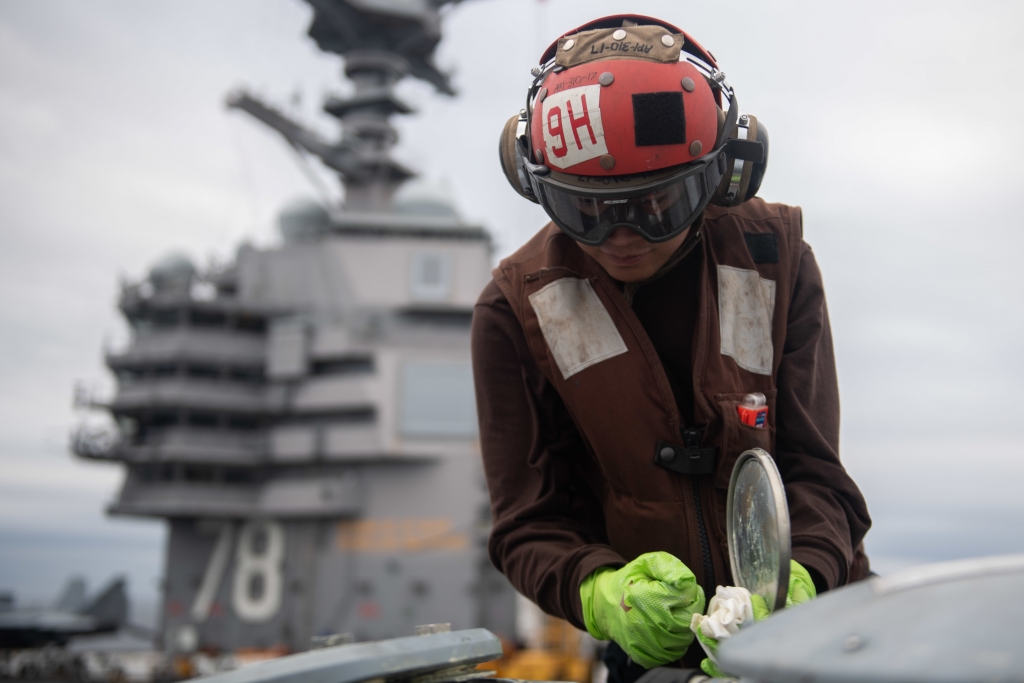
(757, 525)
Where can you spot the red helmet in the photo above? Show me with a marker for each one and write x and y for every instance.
(624, 126)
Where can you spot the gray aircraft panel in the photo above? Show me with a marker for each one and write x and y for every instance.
(957, 621)
(387, 660)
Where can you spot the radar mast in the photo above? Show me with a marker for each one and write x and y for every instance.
(382, 41)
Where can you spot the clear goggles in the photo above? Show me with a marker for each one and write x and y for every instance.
(657, 210)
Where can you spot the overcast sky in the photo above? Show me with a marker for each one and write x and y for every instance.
(895, 125)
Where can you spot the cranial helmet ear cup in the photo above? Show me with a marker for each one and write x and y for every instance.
(742, 179)
(758, 170)
(507, 153)
(511, 156)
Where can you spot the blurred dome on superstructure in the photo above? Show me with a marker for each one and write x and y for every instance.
(303, 219)
(424, 198)
(173, 271)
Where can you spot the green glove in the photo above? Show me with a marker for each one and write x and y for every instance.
(645, 607)
(801, 587)
(711, 669)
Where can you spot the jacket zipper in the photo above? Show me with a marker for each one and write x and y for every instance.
(692, 439)
(705, 546)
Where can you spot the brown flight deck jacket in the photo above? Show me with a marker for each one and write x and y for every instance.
(583, 383)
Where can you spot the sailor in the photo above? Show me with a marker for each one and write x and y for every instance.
(613, 352)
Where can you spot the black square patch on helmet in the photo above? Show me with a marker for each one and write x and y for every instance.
(658, 118)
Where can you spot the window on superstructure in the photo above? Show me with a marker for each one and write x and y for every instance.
(140, 323)
(247, 375)
(349, 416)
(251, 323)
(129, 375)
(201, 318)
(239, 475)
(437, 399)
(243, 423)
(163, 419)
(166, 318)
(202, 371)
(348, 365)
(199, 473)
(204, 420)
(156, 471)
(165, 370)
(430, 276)
(445, 318)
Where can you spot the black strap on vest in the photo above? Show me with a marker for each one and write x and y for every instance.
(688, 459)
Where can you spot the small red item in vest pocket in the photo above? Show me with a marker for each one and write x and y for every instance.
(753, 410)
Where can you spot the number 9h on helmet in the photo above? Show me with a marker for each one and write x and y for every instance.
(629, 122)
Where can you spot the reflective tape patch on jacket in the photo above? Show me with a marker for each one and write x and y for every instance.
(746, 305)
(576, 326)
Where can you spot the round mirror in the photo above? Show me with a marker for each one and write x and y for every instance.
(757, 523)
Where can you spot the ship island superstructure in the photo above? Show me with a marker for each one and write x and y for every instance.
(303, 417)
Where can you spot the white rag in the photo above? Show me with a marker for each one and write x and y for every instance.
(728, 612)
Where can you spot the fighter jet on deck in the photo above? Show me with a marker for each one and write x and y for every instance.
(71, 615)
